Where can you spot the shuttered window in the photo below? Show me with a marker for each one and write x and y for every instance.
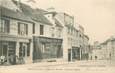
(22, 29)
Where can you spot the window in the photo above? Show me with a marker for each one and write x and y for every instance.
(76, 33)
(43, 47)
(41, 30)
(33, 28)
(68, 30)
(80, 35)
(22, 29)
(5, 26)
(59, 32)
(52, 32)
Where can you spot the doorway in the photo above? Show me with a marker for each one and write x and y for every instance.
(69, 55)
(4, 53)
(5, 50)
(22, 53)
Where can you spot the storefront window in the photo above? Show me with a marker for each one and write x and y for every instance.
(7, 49)
(49, 48)
(11, 48)
(45, 50)
(59, 51)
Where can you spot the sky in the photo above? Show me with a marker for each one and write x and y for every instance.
(96, 16)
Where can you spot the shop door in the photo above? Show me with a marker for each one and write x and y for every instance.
(69, 54)
(22, 52)
(5, 50)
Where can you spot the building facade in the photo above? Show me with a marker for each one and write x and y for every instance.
(49, 41)
(104, 51)
(75, 42)
(32, 35)
(15, 36)
(109, 49)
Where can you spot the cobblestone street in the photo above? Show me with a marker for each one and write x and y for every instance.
(72, 67)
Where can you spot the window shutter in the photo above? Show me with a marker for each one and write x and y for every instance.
(26, 29)
(18, 28)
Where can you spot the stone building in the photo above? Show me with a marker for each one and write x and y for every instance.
(33, 35)
(75, 42)
(109, 48)
(15, 35)
(47, 34)
(104, 51)
(28, 34)
(97, 52)
(85, 50)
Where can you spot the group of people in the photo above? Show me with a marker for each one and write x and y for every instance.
(12, 60)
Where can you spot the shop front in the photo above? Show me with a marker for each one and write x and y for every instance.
(74, 54)
(7, 49)
(47, 49)
(14, 50)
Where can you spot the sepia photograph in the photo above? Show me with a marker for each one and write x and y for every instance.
(57, 36)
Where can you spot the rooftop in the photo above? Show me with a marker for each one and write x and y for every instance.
(35, 14)
(5, 12)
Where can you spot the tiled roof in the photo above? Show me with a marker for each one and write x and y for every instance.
(35, 14)
(14, 14)
(41, 11)
(41, 18)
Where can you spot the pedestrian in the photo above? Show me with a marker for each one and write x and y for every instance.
(2, 59)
